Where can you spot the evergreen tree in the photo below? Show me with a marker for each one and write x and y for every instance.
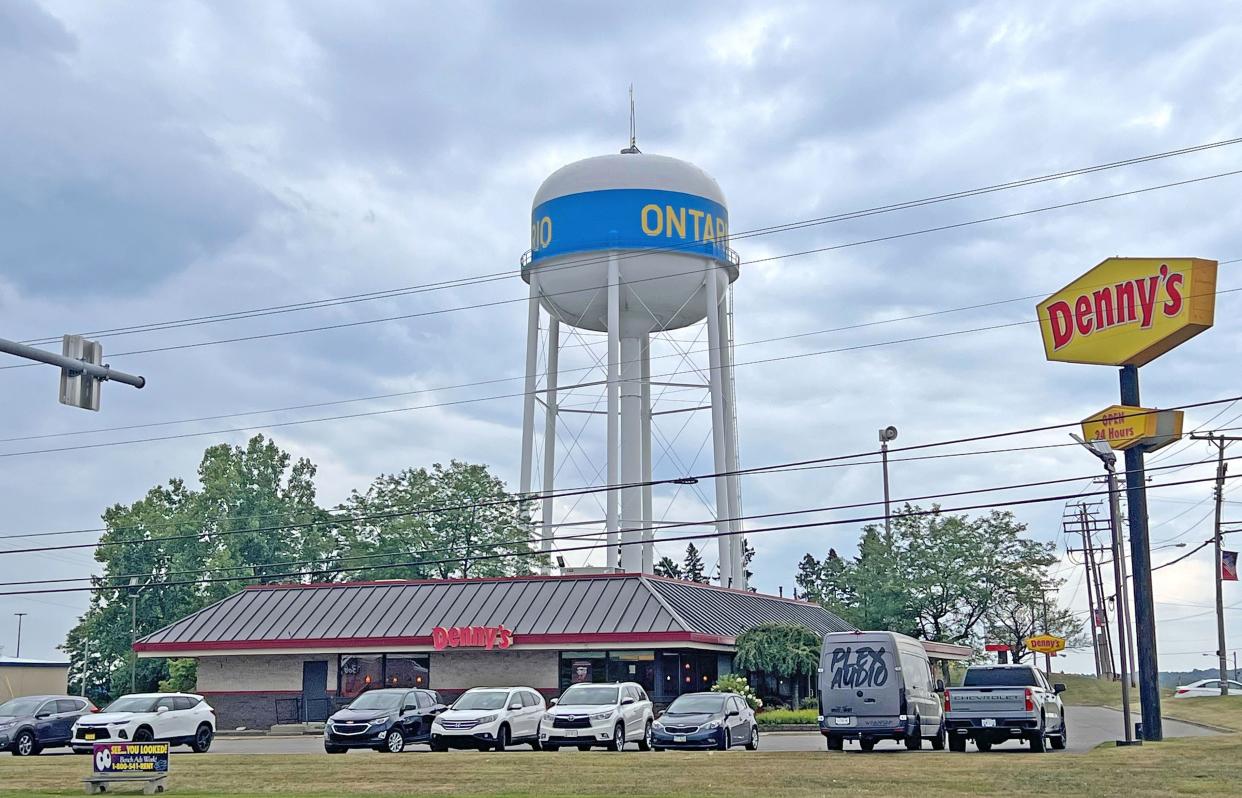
(666, 567)
(808, 578)
(692, 566)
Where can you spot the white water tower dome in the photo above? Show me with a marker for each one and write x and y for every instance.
(666, 219)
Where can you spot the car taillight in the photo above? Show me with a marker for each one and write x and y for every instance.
(1030, 701)
(1182, 691)
(94, 709)
(946, 700)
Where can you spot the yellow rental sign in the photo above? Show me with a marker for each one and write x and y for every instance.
(1125, 427)
(1129, 311)
(1044, 644)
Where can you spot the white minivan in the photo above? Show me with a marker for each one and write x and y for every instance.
(490, 718)
(608, 715)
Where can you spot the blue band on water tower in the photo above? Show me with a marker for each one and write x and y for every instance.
(629, 218)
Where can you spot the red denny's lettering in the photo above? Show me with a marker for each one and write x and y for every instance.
(1129, 302)
(488, 637)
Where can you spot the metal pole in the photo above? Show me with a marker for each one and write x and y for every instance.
(549, 440)
(1140, 553)
(1114, 518)
(528, 399)
(736, 544)
(19, 615)
(1043, 596)
(1220, 587)
(631, 455)
(1091, 605)
(1124, 615)
(89, 369)
(86, 660)
(648, 531)
(1106, 648)
(719, 448)
(888, 528)
(133, 635)
(614, 409)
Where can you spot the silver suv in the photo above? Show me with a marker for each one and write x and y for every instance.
(608, 715)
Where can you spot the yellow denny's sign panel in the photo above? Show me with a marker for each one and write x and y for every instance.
(1129, 311)
(1125, 427)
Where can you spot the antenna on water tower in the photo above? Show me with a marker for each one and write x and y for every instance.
(633, 148)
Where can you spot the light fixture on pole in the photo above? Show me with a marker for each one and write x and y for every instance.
(135, 587)
(887, 434)
(1108, 457)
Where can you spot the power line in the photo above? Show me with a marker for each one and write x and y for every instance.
(568, 549)
(817, 250)
(459, 282)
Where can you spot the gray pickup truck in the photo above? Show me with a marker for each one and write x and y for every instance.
(1005, 702)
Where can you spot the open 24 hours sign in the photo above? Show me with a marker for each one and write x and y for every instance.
(138, 758)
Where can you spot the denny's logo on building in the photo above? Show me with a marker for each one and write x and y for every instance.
(488, 637)
(1129, 311)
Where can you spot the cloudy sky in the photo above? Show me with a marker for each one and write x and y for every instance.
(160, 161)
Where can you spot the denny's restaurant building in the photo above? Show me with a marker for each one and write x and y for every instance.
(289, 653)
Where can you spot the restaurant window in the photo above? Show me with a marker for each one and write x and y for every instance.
(583, 667)
(632, 666)
(406, 671)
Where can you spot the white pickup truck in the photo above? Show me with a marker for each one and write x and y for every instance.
(1005, 702)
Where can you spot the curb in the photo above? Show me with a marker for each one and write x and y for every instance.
(1200, 724)
(788, 727)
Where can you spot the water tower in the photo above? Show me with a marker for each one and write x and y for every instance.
(632, 245)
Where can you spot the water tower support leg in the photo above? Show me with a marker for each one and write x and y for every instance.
(730, 422)
(648, 532)
(719, 448)
(549, 440)
(631, 455)
(528, 400)
(614, 407)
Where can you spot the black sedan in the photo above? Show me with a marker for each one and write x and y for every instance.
(706, 720)
(384, 720)
(31, 723)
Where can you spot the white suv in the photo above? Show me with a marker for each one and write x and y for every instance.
(598, 714)
(489, 718)
(177, 718)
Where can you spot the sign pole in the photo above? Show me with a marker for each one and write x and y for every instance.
(1140, 553)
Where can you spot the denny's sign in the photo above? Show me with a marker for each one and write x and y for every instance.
(1123, 427)
(488, 637)
(1129, 311)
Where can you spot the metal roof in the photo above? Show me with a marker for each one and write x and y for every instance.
(547, 609)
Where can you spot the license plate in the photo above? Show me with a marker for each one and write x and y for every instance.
(571, 732)
(679, 738)
(88, 736)
(842, 721)
(989, 723)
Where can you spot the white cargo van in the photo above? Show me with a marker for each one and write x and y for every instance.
(878, 686)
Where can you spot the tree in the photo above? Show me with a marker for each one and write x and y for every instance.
(788, 651)
(454, 522)
(253, 507)
(182, 676)
(748, 554)
(809, 577)
(1021, 610)
(666, 567)
(692, 566)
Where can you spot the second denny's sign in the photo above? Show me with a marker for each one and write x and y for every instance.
(488, 637)
(1129, 311)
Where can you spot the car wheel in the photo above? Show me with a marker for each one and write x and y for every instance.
(983, 745)
(551, 748)
(656, 748)
(645, 743)
(394, 743)
(502, 738)
(25, 744)
(584, 748)
(535, 745)
(144, 734)
(618, 738)
(939, 740)
(867, 745)
(836, 743)
(1062, 739)
(439, 748)
(202, 739)
(725, 742)
(914, 742)
(1039, 743)
(957, 743)
(753, 745)
(333, 749)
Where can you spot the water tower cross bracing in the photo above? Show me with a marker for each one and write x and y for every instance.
(632, 245)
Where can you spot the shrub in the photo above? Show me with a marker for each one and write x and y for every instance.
(778, 717)
(810, 702)
(734, 683)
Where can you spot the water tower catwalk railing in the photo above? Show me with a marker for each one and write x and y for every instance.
(629, 523)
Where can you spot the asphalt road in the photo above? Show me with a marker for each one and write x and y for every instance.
(1089, 726)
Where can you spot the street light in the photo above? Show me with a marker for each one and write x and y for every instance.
(887, 435)
(135, 587)
(19, 615)
(1102, 451)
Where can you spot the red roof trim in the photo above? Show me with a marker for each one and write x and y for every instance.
(388, 642)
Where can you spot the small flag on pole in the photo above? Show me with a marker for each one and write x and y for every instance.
(1229, 566)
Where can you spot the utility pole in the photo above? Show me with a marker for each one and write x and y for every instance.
(1107, 648)
(1220, 442)
(1043, 596)
(1095, 639)
(19, 615)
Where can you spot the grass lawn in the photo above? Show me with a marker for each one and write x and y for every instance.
(1224, 712)
(1195, 767)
